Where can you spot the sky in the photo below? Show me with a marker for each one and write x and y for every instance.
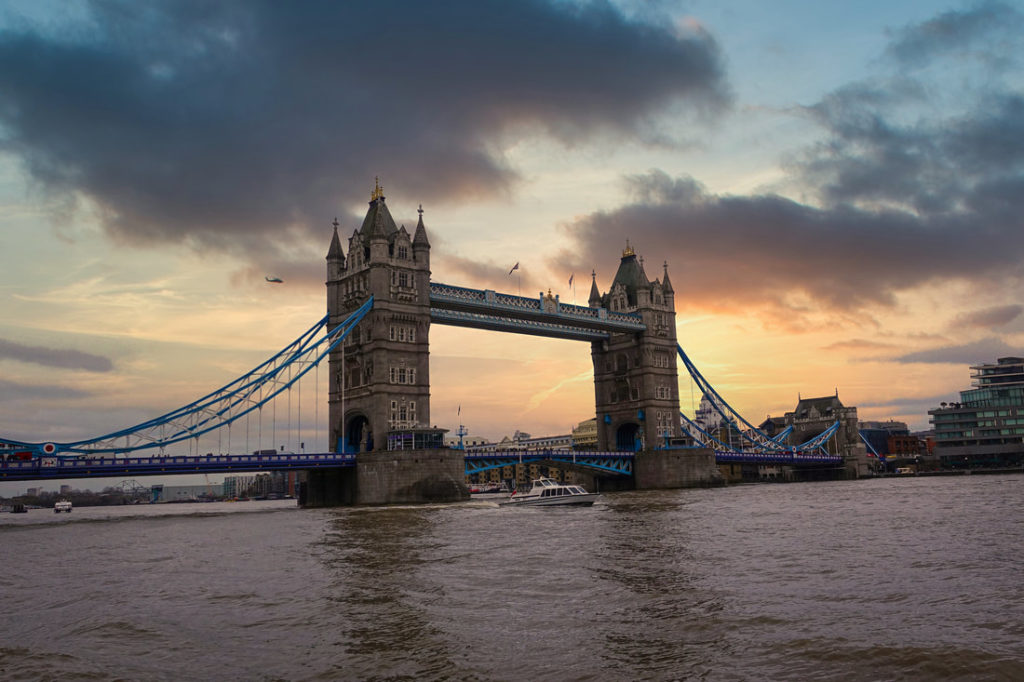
(837, 190)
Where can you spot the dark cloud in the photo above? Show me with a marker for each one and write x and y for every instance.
(921, 405)
(758, 250)
(865, 345)
(977, 28)
(900, 193)
(237, 125)
(995, 316)
(972, 353)
(54, 357)
(13, 392)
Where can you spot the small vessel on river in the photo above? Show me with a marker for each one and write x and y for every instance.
(548, 493)
(62, 506)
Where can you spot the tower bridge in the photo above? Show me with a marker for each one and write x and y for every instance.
(381, 304)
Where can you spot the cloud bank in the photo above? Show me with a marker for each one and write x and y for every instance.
(61, 358)
(909, 184)
(238, 125)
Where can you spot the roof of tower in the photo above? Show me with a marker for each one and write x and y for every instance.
(420, 238)
(666, 283)
(630, 274)
(595, 295)
(378, 221)
(825, 406)
(335, 250)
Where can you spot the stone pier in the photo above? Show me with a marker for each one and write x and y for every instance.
(682, 468)
(390, 477)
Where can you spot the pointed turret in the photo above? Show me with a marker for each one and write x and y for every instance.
(666, 283)
(335, 255)
(420, 237)
(335, 251)
(595, 295)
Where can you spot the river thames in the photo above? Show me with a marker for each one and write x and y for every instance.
(888, 579)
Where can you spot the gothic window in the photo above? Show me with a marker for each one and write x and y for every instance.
(412, 334)
(403, 252)
(412, 376)
(394, 374)
(634, 393)
(412, 411)
(403, 279)
(401, 334)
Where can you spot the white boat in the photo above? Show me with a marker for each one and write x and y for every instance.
(548, 493)
(62, 506)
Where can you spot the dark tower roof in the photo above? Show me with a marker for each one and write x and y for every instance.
(666, 284)
(335, 251)
(420, 237)
(378, 221)
(595, 295)
(630, 274)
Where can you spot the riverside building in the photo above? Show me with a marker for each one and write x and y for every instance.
(986, 428)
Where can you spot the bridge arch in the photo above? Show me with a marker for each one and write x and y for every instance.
(626, 436)
(358, 433)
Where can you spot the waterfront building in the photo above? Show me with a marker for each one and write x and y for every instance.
(986, 428)
(584, 436)
(523, 441)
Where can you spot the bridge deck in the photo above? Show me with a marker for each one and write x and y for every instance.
(97, 467)
(486, 309)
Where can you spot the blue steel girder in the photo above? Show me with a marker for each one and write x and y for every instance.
(101, 466)
(787, 457)
(487, 309)
(620, 463)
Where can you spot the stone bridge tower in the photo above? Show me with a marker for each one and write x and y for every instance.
(635, 382)
(380, 375)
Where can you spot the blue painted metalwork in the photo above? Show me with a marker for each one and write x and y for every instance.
(782, 435)
(610, 462)
(819, 440)
(458, 318)
(751, 433)
(788, 457)
(223, 406)
(870, 446)
(541, 316)
(98, 466)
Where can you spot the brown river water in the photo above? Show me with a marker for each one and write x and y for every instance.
(890, 579)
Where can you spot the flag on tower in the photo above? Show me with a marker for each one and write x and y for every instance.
(459, 413)
(514, 268)
(570, 278)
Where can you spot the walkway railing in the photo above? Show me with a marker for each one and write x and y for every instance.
(96, 467)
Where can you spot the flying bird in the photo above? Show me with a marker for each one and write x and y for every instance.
(274, 280)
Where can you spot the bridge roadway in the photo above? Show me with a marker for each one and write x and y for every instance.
(620, 463)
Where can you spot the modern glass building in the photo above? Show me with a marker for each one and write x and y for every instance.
(986, 428)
